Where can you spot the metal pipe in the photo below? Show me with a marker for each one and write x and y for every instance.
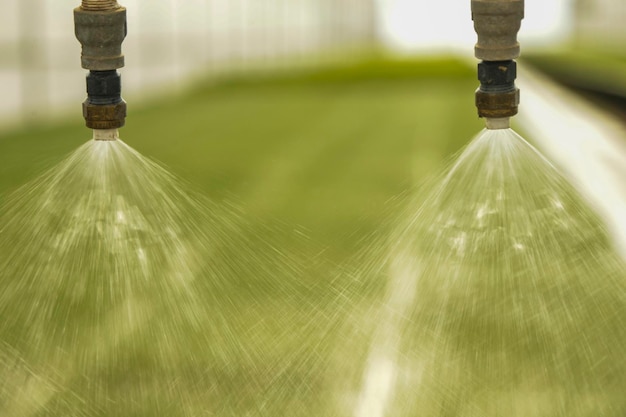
(100, 27)
(496, 23)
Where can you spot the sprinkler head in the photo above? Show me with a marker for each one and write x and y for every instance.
(497, 97)
(100, 27)
(104, 108)
(497, 105)
(105, 135)
(104, 117)
(496, 23)
(497, 123)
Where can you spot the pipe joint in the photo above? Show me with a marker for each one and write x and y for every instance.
(497, 76)
(100, 27)
(104, 117)
(497, 97)
(497, 105)
(104, 107)
(496, 23)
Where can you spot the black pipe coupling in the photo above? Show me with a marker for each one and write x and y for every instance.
(104, 108)
(497, 96)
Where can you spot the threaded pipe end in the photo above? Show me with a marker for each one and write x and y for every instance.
(100, 5)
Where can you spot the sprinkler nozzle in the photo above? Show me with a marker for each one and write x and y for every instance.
(496, 23)
(104, 117)
(100, 27)
(497, 97)
(497, 123)
(105, 134)
(104, 107)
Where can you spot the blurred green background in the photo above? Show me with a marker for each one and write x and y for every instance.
(319, 157)
(313, 117)
(324, 150)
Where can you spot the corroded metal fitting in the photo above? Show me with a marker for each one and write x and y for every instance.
(100, 27)
(104, 107)
(497, 96)
(496, 23)
(496, 76)
(497, 105)
(105, 117)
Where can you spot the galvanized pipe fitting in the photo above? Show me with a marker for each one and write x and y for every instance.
(100, 27)
(496, 23)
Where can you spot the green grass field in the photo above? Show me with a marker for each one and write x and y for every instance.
(300, 310)
(585, 69)
(323, 151)
(324, 154)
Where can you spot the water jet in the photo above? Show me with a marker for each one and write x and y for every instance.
(505, 295)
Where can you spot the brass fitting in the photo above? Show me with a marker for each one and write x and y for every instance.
(497, 96)
(100, 27)
(105, 117)
(497, 105)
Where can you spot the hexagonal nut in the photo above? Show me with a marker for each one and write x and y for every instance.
(497, 105)
(110, 116)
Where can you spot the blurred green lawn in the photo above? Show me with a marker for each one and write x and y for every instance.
(584, 69)
(323, 151)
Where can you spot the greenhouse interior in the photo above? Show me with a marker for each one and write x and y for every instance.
(312, 208)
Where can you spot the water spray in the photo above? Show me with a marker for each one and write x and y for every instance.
(100, 27)
(496, 23)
